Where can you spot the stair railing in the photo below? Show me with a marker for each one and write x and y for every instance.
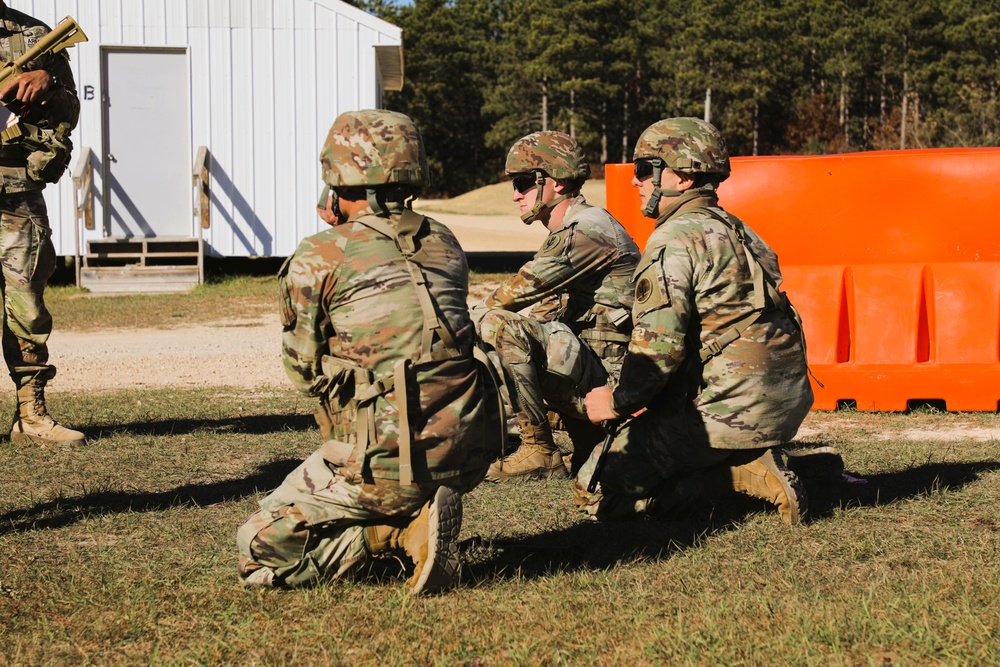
(83, 200)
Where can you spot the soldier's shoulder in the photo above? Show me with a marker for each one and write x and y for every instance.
(325, 245)
(25, 23)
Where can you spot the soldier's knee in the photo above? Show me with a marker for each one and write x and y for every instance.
(275, 539)
(505, 331)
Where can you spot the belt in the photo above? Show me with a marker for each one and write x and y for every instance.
(605, 336)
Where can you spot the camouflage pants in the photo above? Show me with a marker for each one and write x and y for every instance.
(27, 260)
(646, 460)
(545, 363)
(312, 527)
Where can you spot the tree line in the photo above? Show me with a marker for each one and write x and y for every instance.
(776, 76)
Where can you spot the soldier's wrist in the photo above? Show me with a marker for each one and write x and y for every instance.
(611, 406)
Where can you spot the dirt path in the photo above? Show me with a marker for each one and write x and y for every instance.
(240, 355)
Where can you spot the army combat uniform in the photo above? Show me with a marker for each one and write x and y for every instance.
(403, 418)
(580, 286)
(579, 289)
(377, 327)
(34, 150)
(711, 400)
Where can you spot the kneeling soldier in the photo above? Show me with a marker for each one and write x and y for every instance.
(377, 327)
(579, 286)
(716, 368)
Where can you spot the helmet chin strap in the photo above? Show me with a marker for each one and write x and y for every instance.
(376, 204)
(650, 210)
(540, 208)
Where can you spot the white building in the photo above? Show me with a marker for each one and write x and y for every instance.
(256, 82)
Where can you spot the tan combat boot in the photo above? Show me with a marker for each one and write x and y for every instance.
(536, 458)
(32, 423)
(767, 478)
(430, 540)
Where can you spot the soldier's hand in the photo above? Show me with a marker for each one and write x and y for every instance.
(28, 87)
(598, 402)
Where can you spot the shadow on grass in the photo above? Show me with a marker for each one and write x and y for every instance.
(580, 546)
(252, 424)
(888, 488)
(603, 546)
(65, 511)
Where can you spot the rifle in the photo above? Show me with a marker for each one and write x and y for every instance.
(66, 34)
(610, 427)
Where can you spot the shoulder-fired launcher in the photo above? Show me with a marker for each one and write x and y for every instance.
(66, 34)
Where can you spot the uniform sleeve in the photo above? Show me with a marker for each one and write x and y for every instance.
(664, 303)
(569, 255)
(61, 102)
(304, 286)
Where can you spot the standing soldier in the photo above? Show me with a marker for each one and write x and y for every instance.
(34, 150)
(376, 326)
(717, 359)
(580, 286)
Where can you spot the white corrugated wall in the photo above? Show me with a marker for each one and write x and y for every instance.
(267, 79)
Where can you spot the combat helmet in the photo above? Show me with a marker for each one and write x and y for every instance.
(686, 145)
(372, 148)
(548, 153)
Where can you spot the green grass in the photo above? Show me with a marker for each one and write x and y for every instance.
(229, 299)
(122, 552)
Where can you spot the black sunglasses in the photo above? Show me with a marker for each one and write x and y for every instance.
(524, 182)
(643, 169)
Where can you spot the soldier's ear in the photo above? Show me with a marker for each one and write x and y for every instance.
(562, 186)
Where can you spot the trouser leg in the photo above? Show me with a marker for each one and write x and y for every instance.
(645, 467)
(546, 367)
(27, 260)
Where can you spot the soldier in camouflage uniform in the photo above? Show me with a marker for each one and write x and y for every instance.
(716, 369)
(579, 288)
(376, 326)
(42, 109)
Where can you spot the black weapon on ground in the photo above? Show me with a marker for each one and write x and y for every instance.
(610, 427)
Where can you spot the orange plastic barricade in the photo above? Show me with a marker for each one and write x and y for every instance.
(893, 260)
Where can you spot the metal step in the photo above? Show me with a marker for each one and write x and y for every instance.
(139, 265)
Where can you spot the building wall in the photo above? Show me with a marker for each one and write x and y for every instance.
(267, 78)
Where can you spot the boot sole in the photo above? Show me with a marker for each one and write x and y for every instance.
(441, 569)
(792, 486)
(19, 438)
(536, 474)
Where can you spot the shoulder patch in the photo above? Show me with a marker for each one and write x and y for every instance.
(553, 245)
(643, 290)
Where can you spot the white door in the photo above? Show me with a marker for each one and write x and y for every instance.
(147, 144)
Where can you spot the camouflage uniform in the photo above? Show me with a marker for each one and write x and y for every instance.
(711, 400)
(405, 404)
(27, 255)
(579, 288)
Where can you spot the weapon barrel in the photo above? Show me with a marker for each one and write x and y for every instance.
(610, 431)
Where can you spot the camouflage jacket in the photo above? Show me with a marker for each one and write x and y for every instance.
(693, 283)
(18, 33)
(582, 275)
(351, 314)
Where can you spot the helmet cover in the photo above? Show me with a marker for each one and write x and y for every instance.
(686, 145)
(556, 153)
(373, 147)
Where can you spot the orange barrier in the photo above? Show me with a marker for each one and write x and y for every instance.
(893, 260)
